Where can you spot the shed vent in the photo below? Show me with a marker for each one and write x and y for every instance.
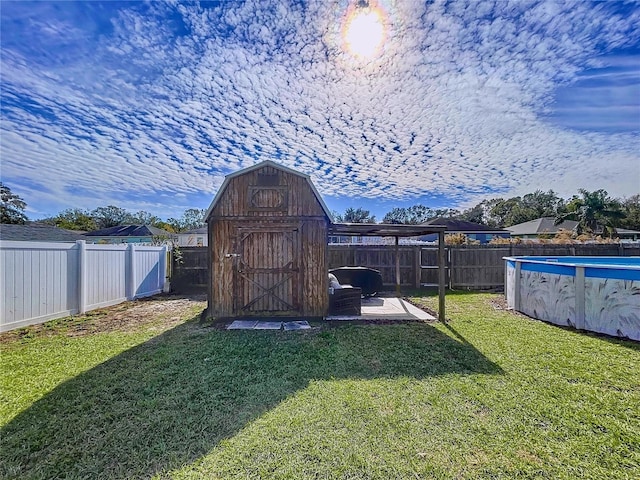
(268, 179)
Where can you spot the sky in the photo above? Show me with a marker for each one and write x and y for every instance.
(148, 105)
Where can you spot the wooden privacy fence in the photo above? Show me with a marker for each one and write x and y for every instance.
(468, 266)
(43, 281)
(189, 270)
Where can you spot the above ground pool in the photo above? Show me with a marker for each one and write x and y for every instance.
(600, 294)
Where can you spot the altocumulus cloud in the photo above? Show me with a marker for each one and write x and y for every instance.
(149, 105)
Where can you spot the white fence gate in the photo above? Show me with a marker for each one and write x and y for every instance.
(43, 281)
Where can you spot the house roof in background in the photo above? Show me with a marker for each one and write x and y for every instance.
(129, 231)
(38, 232)
(454, 225)
(195, 230)
(540, 226)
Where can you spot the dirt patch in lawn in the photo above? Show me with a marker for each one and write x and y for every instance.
(500, 303)
(160, 312)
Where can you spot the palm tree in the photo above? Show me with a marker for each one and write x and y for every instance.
(594, 211)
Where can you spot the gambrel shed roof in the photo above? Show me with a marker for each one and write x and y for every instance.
(258, 166)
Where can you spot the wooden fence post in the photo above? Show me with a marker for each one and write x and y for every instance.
(397, 251)
(441, 277)
(417, 265)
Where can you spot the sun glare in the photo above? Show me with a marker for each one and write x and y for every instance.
(364, 32)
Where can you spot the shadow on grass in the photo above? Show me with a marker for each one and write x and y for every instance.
(169, 401)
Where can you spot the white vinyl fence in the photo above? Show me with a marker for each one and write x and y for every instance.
(43, 281)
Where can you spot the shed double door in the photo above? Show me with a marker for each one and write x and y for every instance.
(267, 277)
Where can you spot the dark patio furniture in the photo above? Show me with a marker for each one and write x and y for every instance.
(345, 301)
(368, 279)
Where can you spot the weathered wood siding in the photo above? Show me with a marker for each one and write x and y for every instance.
(245, 197)
(221, 243)
(315, 284)
(268, 247)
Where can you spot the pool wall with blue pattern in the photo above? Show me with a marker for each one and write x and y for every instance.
(599, 294)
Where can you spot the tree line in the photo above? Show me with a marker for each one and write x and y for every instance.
(112, 216)
(12, 211)
(594, 211)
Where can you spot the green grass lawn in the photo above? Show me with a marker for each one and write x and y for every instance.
(488, 395)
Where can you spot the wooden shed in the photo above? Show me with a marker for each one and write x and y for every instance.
(267, 231)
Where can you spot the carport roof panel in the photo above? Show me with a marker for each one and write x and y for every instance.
(384, 229)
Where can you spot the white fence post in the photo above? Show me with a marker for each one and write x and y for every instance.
(131, 291)
(82, 276)
(42, 281)
(162, 266)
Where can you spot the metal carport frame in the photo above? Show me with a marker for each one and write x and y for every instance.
(398, 231)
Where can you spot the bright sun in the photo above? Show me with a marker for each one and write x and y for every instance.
(364, 32)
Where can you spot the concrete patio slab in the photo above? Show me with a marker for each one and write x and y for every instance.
(268, 326)
(242, 325)
(386, 308)
(297, 325)
(372, 308)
